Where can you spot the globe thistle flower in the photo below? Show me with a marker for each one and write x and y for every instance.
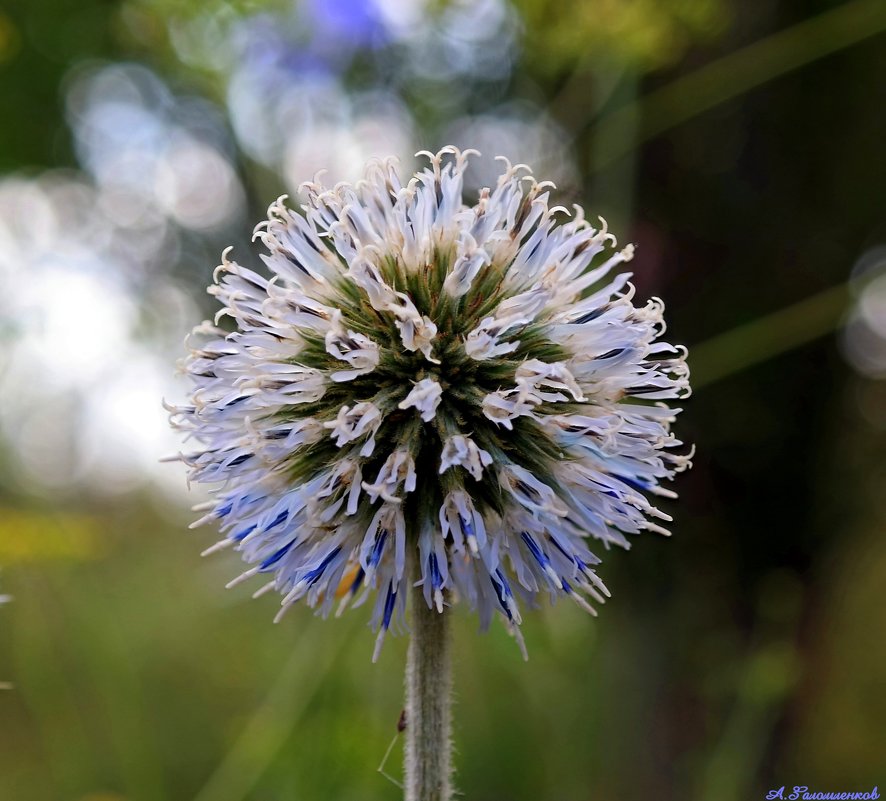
(469, 389)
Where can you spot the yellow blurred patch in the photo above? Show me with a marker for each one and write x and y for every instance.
(9, 38)
(641, 34)
(347, 580)
(30, 536)
(103, 797)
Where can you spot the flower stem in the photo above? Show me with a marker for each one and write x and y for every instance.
(428, 699)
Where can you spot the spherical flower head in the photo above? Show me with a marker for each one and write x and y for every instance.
(466, 389)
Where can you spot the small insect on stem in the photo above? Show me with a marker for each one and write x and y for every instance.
(401, 727)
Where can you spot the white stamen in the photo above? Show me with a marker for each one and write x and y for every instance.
(425, 397)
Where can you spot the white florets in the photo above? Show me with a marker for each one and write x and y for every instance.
(463, 394)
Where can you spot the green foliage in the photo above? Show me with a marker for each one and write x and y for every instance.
(38, 44)
(641, 35)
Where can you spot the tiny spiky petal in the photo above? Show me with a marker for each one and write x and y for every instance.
(469, 385)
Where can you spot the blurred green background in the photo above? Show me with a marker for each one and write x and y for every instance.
(739, 144)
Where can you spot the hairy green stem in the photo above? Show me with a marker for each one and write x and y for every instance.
(428, 700)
